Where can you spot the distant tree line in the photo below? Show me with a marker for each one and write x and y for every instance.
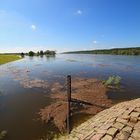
(39, 53)
(115, 51)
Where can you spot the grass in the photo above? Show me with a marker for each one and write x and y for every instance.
(8, 58)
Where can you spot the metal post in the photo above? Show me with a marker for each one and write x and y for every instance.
(68, 100)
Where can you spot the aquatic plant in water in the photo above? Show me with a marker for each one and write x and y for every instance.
(112, 81)
(85, 92)
(71, 60)
(3, 134)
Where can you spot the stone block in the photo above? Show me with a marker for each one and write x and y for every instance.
(112, 131)
(118, 125)
(123, 135)
(135, 114)
(131, 124)
(137, 109)
(124, 121)
(130, 138)
(97, 137)
(133, 119)
(136, 134)
(137, 126)
(107, 137)
(127, 129)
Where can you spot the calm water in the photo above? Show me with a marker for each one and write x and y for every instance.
(21, 99)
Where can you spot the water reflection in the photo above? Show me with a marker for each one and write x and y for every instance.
(50, 57)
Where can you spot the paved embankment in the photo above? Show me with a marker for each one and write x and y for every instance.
(120, 122)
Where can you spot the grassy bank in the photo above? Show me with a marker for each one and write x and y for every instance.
(8, 58)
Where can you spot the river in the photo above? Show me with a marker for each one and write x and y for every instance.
(24, 85)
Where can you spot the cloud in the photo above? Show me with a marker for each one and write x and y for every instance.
(33, 27)
(78, 12)
(95, 42)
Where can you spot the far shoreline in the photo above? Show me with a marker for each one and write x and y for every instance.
(133, 51)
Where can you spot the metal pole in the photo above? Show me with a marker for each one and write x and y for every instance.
(69, 100)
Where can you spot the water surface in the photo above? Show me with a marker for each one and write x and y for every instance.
(21, 99)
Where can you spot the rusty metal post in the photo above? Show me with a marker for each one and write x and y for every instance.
(68, 102)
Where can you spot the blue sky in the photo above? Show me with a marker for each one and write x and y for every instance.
(66, 25)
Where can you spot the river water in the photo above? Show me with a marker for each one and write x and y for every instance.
(24, 86)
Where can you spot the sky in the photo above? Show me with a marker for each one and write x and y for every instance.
(68, 25)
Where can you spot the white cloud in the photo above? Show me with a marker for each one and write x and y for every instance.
(78, 12)
(33, 27)
(95, 42)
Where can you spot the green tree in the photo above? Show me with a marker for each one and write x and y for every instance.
(31, 53)
(38, 53)
(48, 52)
(22, 54)
(41, 52)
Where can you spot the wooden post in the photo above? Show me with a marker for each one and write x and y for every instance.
(68, 100)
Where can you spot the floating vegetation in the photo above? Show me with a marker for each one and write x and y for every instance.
(3, 134)
(56, 113)
(25, 80)
(88, 97)
(71, 60)
(112, 82)
(50, 136)
(36, 83)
